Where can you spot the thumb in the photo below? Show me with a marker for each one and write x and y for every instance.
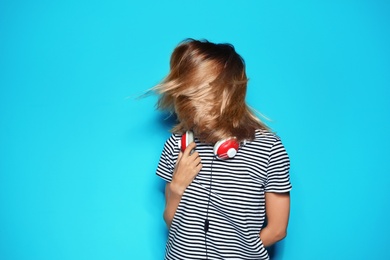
(179, 157)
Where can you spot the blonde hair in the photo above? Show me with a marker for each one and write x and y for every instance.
(206, 89)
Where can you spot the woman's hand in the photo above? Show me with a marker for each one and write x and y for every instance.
(187, 167)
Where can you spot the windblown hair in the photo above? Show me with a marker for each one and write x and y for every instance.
(206, 89)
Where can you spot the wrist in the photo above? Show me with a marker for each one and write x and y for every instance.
(175, 189)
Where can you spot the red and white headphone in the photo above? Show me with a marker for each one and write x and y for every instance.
(224, 149)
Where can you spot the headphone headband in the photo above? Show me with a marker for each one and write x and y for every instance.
(223, 149)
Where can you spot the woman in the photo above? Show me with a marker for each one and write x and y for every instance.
(216, 204)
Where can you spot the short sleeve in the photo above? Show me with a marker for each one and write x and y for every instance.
(278, 176)
(166, 164)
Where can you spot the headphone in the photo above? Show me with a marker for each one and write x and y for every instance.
(223, 149)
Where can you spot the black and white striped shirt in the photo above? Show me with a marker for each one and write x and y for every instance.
(230, 195)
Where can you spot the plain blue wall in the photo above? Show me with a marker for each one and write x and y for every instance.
(78, 151)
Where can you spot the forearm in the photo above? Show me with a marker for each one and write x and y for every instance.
(172, 197)
(277, 211)
(271, 235)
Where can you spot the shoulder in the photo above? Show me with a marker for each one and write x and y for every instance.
(268, 142)
(261, 146)
(171, 144)
(266, 137)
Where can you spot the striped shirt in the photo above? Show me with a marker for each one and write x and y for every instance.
(230, 195)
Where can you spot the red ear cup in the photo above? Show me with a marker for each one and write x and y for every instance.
(223, 149)
(186, 139)
(226, 149)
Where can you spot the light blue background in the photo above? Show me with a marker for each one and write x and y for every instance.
(78, 151)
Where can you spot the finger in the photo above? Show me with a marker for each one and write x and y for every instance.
(179, 157)
(199, 167)
(197, 161)
(189, 148)
(194, 155)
